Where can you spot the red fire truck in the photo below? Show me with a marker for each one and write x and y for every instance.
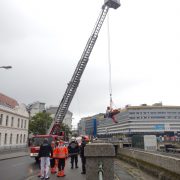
(37, 140)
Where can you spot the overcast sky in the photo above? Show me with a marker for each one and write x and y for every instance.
(43, 40)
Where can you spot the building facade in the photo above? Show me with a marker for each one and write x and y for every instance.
(88, 125)
(144, 119)
(14, 122)
(67, 119)
(35, 108)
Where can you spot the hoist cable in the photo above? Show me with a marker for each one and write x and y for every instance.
(109, 60)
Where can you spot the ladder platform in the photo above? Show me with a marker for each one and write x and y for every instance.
(112, 3)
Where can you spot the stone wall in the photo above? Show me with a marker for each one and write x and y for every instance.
(97, 153)
(156, 164)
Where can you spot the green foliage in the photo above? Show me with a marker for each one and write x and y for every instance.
(66, 130)
(40, 123)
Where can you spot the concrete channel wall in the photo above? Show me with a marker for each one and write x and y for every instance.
(156, 162)
(96, 154)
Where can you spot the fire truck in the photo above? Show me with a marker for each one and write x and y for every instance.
(55, 128)
(37, 140)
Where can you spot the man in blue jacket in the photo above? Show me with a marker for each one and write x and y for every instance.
(44, 154)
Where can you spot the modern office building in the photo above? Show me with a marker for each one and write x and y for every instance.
(88, 125)
(143, 119)
(14, 121)
(67, 119)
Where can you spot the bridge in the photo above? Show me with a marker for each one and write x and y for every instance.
(105, 160)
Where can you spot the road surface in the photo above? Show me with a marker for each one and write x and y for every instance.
(25, 168)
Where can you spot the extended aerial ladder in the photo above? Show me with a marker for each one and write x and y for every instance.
(74, 82)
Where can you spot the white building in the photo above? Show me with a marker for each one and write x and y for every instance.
(144, 119)
(14, 122)
(36, 107)
(67, 119)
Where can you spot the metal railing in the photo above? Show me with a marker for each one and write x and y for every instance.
(100, 171)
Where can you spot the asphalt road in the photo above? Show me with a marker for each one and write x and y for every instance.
(18, 168)
(25, 168)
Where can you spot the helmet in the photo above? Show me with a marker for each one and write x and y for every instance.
(73, 139)
(52, 142)
(85, 138)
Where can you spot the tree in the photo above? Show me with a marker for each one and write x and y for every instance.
(66, 130)
(40, 123)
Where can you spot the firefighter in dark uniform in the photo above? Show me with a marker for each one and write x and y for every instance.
(83, 158)
(73, 149)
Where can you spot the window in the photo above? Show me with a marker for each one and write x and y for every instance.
(10, 141)
(21, 139)
(21, 123)
(1, 119)
(12, 121)
(18, 122)
(5, 138)
(24, 123)
(7, 118)
(24, 138)
(17, 139)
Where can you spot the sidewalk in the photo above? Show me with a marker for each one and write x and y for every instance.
(15, 154)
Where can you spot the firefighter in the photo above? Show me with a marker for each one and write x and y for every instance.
(110, 113)
(83, 158)
(73, 150)
(52, 159)
(61, 153)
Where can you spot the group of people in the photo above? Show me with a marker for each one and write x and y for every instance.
(54, 156)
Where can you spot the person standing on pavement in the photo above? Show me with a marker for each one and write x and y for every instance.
(52, 159)
(44, 154)
(73, 149)
(61, 153)
(83, 158)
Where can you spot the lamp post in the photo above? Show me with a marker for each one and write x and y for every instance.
(46, 123)
(28, 109)
(6, 67)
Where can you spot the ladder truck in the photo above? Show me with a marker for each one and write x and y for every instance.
(74, 82)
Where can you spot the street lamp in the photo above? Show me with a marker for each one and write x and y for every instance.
(6, 67)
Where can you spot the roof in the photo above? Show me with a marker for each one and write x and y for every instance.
(8, 101)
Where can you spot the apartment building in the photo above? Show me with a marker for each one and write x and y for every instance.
(14, 122)
(36, 107)
(67, 119)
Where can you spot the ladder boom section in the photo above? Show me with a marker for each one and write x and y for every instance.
(74, 82)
